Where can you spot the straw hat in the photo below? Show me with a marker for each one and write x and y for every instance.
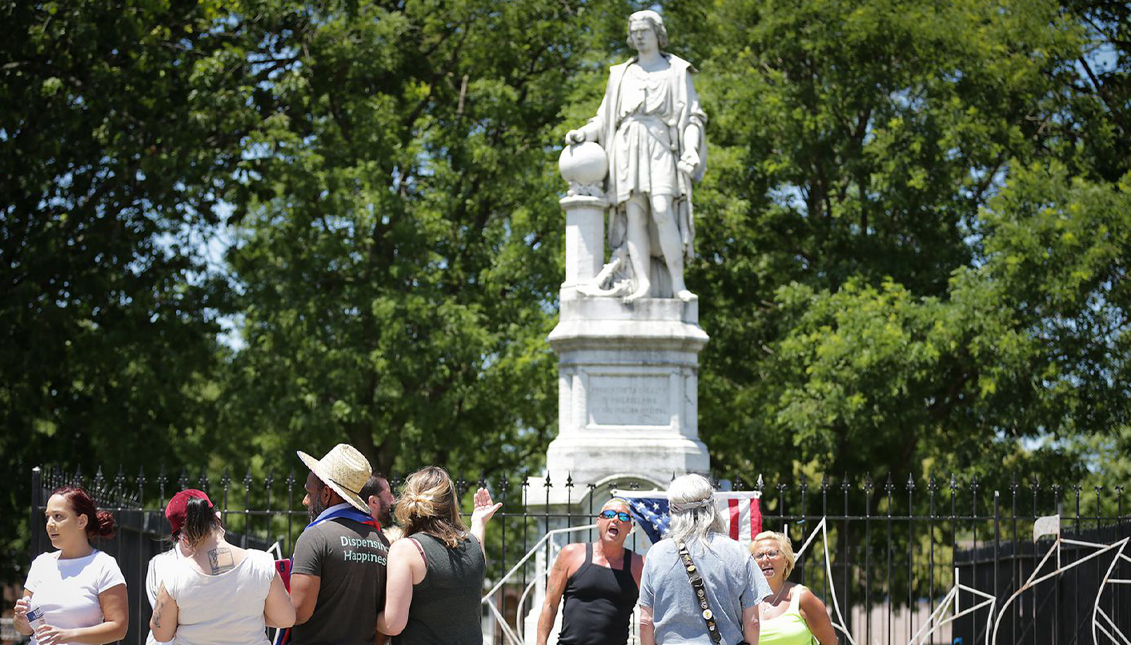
(343, 469)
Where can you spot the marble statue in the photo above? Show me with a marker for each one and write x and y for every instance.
(651, 127)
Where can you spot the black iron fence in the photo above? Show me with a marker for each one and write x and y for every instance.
(893, 562)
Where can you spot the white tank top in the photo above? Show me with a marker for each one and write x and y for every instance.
(223, 609)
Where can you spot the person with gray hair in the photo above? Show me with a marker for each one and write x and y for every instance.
(698, 585)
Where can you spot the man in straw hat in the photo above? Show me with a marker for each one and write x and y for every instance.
(338, 575)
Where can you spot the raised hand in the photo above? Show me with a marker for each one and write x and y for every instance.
(484, 507)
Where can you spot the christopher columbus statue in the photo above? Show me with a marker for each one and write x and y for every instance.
(650, 125)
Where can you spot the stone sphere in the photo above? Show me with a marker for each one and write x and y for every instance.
(583, 163)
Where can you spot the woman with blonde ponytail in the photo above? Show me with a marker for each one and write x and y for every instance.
(436, 572)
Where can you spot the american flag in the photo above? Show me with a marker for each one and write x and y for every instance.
(743, 510)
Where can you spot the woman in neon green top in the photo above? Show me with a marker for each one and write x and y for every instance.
(792, 615)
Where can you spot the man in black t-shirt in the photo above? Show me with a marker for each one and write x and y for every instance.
(338, 575)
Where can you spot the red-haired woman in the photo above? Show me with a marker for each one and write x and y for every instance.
(78, 590)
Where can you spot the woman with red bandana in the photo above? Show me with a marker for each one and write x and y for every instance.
(218, 593)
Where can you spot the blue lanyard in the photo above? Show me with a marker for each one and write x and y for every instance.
(350, 514)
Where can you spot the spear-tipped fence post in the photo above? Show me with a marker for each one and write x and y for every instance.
(1119, 504)
(1056, 490)
(803, 509)
(1014, 561)
(225, 486)
(1099, 489)
(291, 507)
(975, 484)
(932, 490)
(247, 481)
(825, 513)
(910, 554)
(269, 484)
(118, 492)
(546, 514)
(592, 507)
(569, 499)
(162, 480)
(98, 486)
(1076, 488)
(141, 481)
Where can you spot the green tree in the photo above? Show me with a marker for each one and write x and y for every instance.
(113, 155)
(399, 246)
(848, 256)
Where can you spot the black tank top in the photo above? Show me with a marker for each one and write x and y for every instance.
(446, 607)
(598, 603)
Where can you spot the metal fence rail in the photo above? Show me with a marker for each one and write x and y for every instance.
(889, 556)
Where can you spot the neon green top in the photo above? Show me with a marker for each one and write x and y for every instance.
(788, 628)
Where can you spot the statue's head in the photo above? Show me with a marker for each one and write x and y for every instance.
(647, 19)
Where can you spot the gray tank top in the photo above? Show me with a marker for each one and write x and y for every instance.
(445, 608)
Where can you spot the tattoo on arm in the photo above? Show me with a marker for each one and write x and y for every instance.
(157, 614)
(558, 579)
(556, 587)
(221, 560)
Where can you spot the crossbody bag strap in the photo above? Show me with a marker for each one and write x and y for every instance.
(700, 594)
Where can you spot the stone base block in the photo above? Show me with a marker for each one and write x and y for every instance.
(628, 390)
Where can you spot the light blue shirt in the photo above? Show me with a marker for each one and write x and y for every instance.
(732, 580)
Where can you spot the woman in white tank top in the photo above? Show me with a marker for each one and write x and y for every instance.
(220, 594)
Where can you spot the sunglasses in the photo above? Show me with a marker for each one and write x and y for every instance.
(611, 514)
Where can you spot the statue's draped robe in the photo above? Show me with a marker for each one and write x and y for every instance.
(680, 109)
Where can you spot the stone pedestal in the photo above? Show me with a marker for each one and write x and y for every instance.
(585, 239)
(627, 375)
(627, 389)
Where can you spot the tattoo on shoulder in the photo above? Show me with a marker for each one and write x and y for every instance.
(221, 560)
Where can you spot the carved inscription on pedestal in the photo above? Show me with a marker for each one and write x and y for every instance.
(629, 400)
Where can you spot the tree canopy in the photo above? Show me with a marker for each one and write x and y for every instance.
(931, 266)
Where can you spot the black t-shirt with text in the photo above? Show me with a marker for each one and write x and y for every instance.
(350, 558)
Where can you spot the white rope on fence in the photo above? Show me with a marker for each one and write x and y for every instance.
(822, 529)
(952, 595)
(1033, 580)
(988, 600)
(935, 620)
(1098, 611)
